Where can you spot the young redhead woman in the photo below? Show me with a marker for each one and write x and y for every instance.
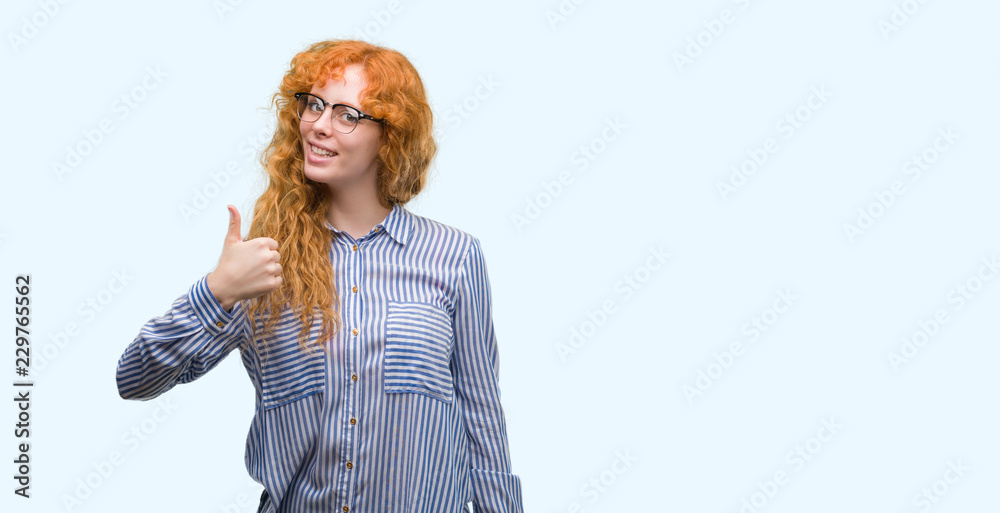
(366, 330)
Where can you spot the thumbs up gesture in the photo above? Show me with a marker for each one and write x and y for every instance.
(247, 269)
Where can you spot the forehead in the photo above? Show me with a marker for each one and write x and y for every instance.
(347, 89)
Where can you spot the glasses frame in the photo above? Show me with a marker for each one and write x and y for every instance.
(325, 104)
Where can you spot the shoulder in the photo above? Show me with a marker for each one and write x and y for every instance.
(443, 237)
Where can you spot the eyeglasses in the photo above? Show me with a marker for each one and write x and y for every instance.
(345, 117)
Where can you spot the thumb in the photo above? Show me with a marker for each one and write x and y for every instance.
(233, 235)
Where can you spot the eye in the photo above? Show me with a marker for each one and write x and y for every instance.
(346, 115)
(314, 105)
(349, 116)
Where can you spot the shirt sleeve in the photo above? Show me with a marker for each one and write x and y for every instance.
(181, 345)
(475, 366)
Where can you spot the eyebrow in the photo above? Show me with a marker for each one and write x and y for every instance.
(334, 103)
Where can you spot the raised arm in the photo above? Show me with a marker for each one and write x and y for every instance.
(203, 325)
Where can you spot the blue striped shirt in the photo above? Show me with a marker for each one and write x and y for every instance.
(402, 414)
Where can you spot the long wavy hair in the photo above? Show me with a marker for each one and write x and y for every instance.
(292, 209)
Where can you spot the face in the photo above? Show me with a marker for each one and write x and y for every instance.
(353, 163)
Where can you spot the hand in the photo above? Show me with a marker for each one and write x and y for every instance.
(247, 269)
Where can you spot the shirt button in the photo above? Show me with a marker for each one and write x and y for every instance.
(354, 377)
(220, 324)
(354, 331)
(354, 289)
(346, 509)
(353, 421)
(350, 465)
(377, 228)
(353, 248)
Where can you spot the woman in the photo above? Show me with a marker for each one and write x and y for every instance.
(366, 329)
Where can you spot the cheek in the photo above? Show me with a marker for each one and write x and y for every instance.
(373, 148)
(367, 148)
(373, 144)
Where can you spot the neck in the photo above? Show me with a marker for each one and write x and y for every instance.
(356, 214)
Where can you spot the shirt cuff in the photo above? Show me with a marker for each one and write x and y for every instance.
(497, 492)
(208, 310)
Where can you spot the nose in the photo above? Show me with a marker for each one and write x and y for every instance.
(324, 125)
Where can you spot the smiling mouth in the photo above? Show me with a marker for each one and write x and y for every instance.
(320, 152)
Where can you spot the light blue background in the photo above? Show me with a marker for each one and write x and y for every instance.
(557, 82)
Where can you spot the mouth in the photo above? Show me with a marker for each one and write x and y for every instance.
(320, 152)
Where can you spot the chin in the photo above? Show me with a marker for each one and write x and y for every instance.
(317, 174)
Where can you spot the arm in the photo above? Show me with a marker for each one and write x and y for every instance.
(181, 345)
(474, 366)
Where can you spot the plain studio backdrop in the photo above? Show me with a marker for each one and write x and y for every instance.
(743, 254)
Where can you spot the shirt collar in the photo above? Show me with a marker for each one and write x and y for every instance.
(397, 223)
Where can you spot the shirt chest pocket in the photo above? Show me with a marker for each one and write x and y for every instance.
(418, 348)
(289, 373)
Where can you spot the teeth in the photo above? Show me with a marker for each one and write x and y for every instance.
(320, 151)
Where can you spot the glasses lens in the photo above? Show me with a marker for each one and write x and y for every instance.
(345, 119)
(309, 108)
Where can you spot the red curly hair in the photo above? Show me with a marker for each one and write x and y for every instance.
(292, 209)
